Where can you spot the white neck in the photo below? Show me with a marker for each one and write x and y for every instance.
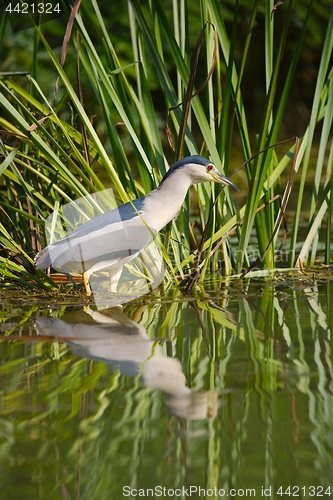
(164, 203)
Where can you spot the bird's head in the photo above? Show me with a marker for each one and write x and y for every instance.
(198, 169)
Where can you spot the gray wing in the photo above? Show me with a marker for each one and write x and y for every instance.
(111, 236)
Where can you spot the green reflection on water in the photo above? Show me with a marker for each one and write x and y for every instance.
(230, 391)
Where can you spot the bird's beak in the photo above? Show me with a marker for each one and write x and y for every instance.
(222, 179)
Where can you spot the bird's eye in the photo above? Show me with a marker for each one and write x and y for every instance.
(209, 168)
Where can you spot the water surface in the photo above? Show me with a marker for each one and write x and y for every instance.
(230, 392)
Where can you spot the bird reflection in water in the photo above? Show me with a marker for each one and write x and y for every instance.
(112, 337)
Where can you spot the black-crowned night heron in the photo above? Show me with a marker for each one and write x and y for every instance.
(112, 239)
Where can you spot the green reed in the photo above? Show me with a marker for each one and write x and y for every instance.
(56, 154)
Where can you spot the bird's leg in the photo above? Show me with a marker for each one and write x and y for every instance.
(153, 261)
(86, 277)
(114, 279)
(150, 268)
